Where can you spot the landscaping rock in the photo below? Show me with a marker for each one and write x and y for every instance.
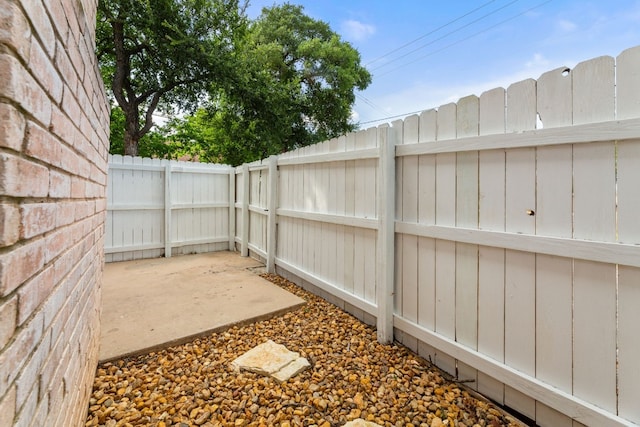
(351, 377)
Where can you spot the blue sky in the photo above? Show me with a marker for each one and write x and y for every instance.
(462, 47)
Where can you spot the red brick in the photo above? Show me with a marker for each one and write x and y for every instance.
(42, 145)
(61, 126)
(59, 185)
(8, 408)
(78, 188)
(57, 16)
(28, 380)
(14, 28)
(32, 294)
(14, 356)
(37, 218)
(25, 413)
(17, 84)
(65, 214)
(56, 243)
(70, 106)
(17, 266)
(12, 126)
(40, 20)
(22, 178)
(9, 224)
(8, 320)
(42, 66)
(63, 64)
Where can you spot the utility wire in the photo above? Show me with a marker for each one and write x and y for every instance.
(429, 33)
(446, 35)
(390, 117)
(465, 39)
(371, 103)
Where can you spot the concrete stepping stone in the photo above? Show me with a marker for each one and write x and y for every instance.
(273, 360)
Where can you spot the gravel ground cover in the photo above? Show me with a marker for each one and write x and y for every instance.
(352, 376)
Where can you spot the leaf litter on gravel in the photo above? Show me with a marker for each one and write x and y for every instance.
(351, 376)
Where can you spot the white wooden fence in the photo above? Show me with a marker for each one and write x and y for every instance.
(498, 237)
(160, 207)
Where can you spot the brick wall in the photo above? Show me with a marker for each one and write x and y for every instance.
(53, 160)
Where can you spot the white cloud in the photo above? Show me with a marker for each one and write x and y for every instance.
(566, 26)
(537, 61)
(356, 30)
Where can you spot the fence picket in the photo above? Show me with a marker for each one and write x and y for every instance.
(628, 159)
(594, 284)
(519, 342)
(553, 217)
(446, 250)
(491, 216)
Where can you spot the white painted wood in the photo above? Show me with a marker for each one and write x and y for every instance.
(492, 112)
(554, 282)
(595, 333)
(397, 128)
(371, 210)
(549, 417)
(594, 192)
(519, 295)
(553, 215)
(466, 310)
(409, 200)
(359, 154)
(167, 210)
(350, 221)
(628, 343)
(628, 197)
(426, 247)
(427, 126)
(628, 84)
(348, 297)
(521, 111)
(386, 235)
(623, 254)
(272, 206)
(491, 216)
(517, 380)
(555, 98)
(621, 130)
(446, 251)
(594, 91)
(246, 182)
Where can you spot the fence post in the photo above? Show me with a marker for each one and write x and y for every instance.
(245, 210)
(167, 209)
(272, 205)
(386, 233)
(232, 209)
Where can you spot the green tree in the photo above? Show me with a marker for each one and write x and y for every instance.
(164, 54)
(296, 87)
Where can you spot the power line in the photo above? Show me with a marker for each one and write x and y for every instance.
(391, 117)
(429, 33)
(465, 39)
(447, 34)
(370, 103)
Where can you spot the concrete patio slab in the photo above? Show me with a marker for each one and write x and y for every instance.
(155, 303)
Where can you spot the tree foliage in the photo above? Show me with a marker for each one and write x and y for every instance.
(164, 54)
(297, 87)
(282, 81)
